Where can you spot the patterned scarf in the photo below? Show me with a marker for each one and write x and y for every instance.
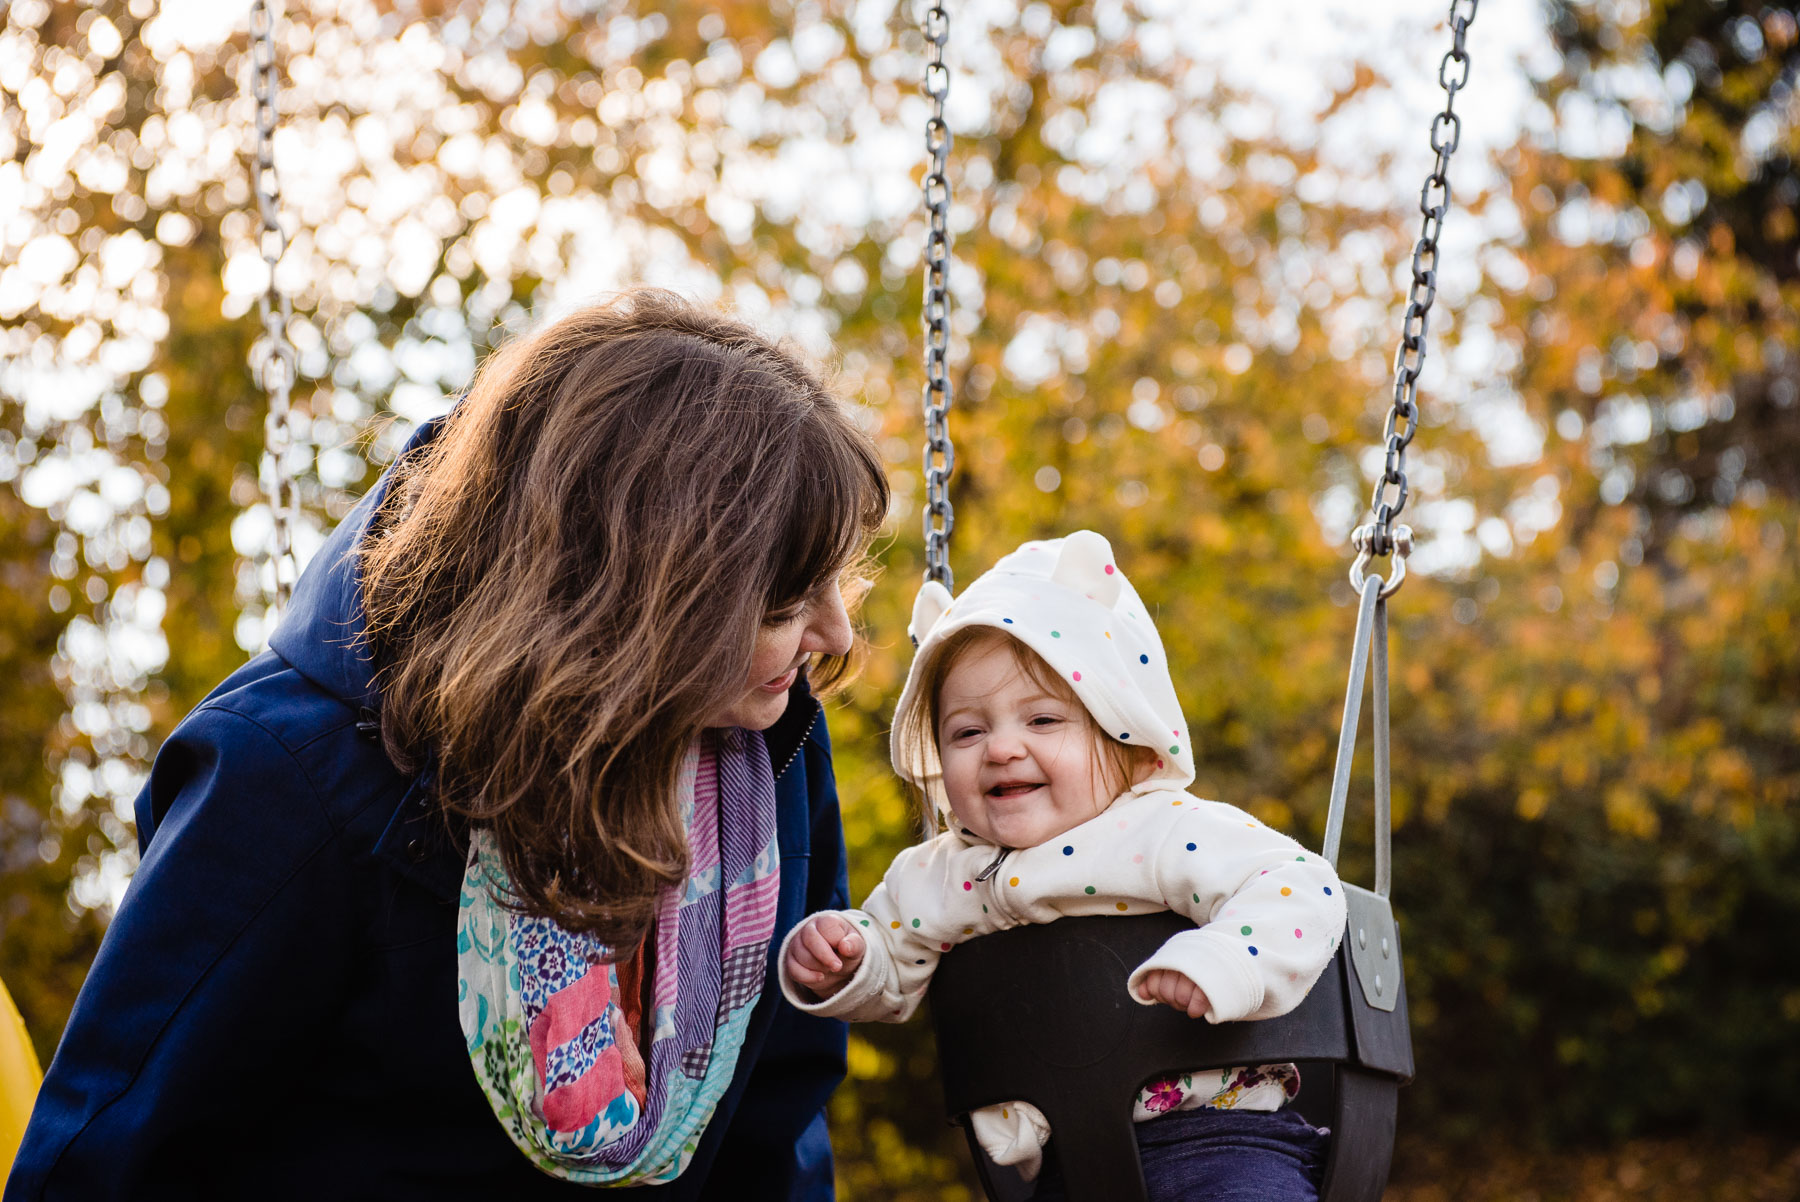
(543, 1013)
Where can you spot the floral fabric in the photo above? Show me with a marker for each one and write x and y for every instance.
(1265, 1087)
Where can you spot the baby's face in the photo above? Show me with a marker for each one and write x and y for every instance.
(1020, 766)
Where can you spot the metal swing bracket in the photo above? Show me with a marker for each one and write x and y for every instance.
(1374, 947)
(1374, 939)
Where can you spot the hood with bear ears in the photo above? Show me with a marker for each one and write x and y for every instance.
(1068, 601)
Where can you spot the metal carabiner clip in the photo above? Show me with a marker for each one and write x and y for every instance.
(1362, 539)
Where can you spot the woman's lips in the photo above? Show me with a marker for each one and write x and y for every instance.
(782, 683)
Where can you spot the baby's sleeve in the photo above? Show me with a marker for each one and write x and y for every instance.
(1270, 913)
(901, 952)
(862, 998)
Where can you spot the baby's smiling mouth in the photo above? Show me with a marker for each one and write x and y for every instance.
(1014, 788)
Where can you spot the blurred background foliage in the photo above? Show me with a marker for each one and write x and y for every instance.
(1175, 306)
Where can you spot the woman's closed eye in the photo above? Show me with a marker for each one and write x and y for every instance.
(786, 615)
(794, 610)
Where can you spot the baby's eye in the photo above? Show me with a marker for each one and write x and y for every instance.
(1046, 720)
(966, 732)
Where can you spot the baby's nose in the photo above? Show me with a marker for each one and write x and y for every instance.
(1002, 747)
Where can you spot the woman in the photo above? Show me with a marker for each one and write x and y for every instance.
(437, 896)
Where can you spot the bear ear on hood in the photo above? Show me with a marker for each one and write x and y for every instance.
(1086, 565)
(928, 607)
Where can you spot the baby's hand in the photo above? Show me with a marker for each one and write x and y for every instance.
(825, 954)
(1169, 987)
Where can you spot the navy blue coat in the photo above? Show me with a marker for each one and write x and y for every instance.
(273, 1011)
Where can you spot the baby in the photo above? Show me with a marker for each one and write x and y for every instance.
(1039, 713)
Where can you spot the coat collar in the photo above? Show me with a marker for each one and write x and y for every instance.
(321, 634)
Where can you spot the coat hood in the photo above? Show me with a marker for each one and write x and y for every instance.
(321, 633)
(1067, 600)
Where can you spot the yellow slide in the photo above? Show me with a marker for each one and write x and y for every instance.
(19, 1077)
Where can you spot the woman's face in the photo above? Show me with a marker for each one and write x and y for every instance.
(786, 641)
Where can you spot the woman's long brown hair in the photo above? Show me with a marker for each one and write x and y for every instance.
(567, 581)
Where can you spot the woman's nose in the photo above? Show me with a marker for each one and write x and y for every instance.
(828, 626)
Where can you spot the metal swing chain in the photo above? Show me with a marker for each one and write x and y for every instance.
(940, 456)
(1382, 537)
(273, 359)
(1369, 657)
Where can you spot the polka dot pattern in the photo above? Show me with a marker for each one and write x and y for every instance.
(1068, 850)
